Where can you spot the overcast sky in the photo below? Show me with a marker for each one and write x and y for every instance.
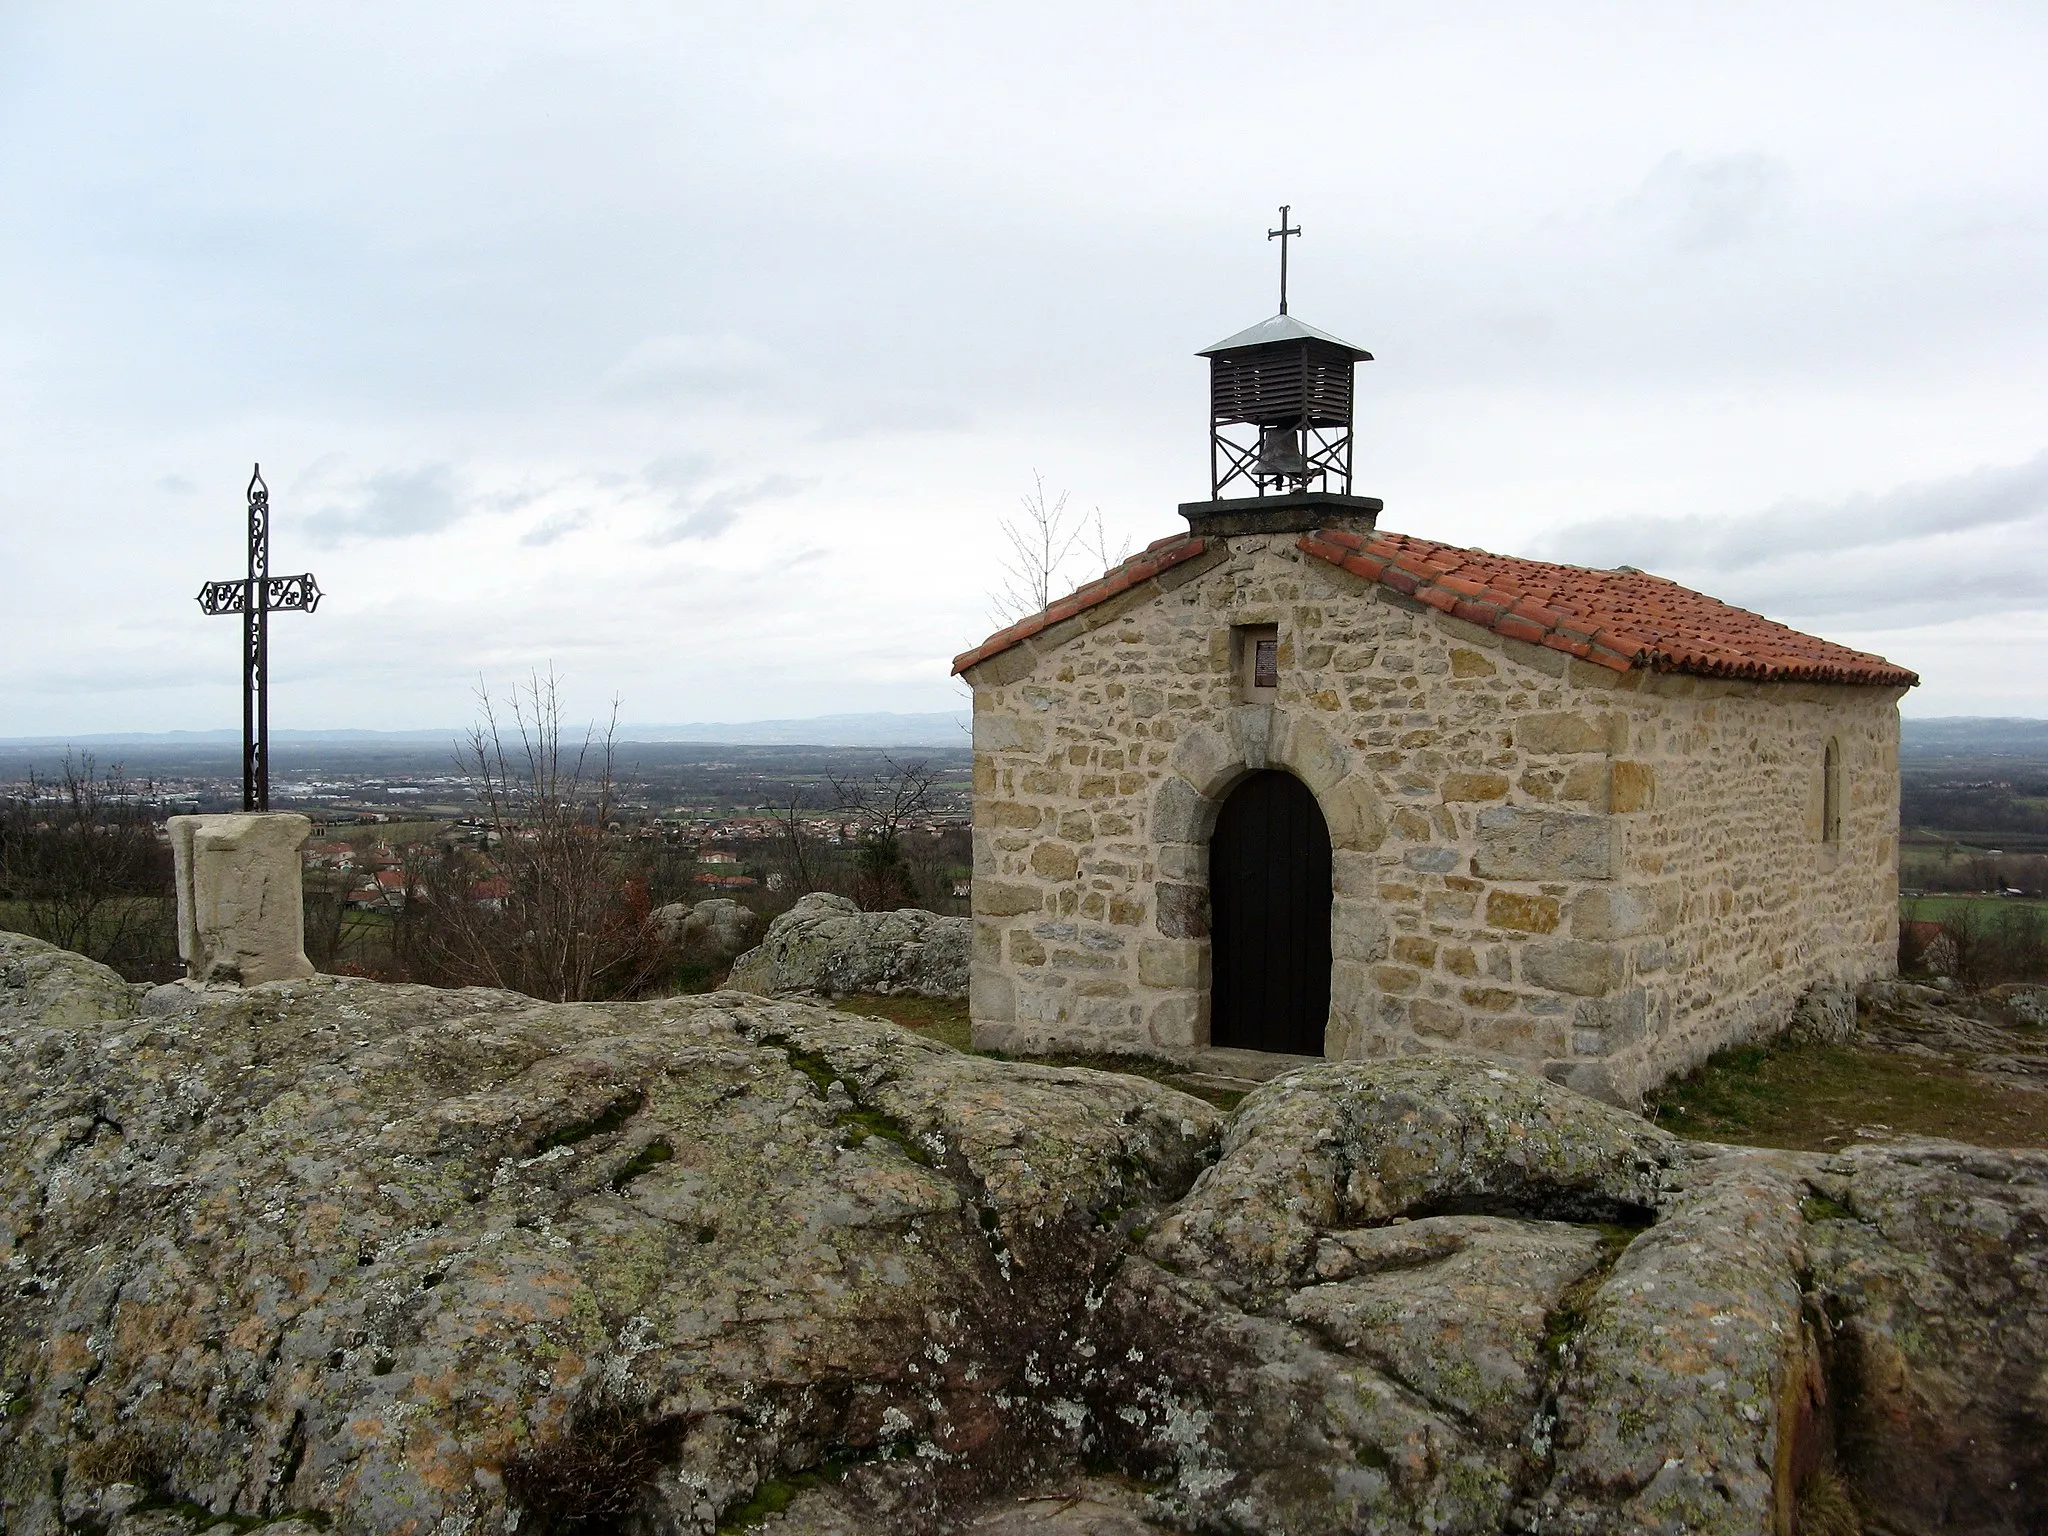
(701, 349)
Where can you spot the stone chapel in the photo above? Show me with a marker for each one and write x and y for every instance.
(1288, 782)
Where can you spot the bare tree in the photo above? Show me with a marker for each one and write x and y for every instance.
(1044, 544)
(551, 908)
(799, 857)
(83, 867)
(882, 805)
(937, 859)
(1095, 544)
(1996, 942)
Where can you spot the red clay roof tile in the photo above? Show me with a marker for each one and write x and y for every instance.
(1159, 555)
(1615, 619)
(1620, 620)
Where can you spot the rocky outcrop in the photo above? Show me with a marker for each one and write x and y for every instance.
(1996, 1036)
(711, 931)
(1440, 1283)
(415, 1259)
(1930, 1275)
(390, 1259)
(2027, 1004)
(1824, 1015)
(827, 945)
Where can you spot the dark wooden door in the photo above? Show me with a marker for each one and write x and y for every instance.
(1269, 899)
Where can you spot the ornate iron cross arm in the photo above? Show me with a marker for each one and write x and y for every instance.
(300, 594)
(255, 597)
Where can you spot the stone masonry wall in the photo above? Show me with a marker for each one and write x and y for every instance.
(1601, 875)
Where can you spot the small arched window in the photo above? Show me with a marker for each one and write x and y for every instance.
(1831, 793)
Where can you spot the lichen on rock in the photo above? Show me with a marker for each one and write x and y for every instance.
(827, 945)
(336, 1254)
(363, 1249)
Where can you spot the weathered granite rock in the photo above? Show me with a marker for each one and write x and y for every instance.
(714, 930)
(1931, 1281)
(1074, 1506)
(1995, 1035)
(1434, 1295)
(1354, 1311)
(394, 1259)
(413, 1257)
(1824, 1015)
(2028, 1004)
(827, 945)
(51, 988)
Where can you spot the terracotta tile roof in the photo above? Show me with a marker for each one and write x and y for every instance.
(1160, 555)
(1616, 619)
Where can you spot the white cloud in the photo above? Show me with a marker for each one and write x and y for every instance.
(589, 342)
(1934, 552)
(559, 526)
(708, 515)
(1701, 204)
(396, 504)
(667, 368)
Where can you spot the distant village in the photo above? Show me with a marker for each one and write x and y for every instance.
(731, 855)
(758, 825)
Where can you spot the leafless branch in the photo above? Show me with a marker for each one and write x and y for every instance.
(549, 906)
(882, 805)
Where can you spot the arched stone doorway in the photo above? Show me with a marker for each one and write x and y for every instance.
(1269, 896)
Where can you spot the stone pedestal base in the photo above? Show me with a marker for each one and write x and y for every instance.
(241, 913)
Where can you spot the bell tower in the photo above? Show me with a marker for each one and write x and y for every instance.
(1280, 405)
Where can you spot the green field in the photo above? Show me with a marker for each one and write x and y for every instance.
(1941, 908)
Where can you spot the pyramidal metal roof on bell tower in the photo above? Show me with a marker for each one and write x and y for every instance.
(1282, 327)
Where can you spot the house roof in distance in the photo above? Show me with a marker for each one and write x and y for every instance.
(1620, 619)
(1282, 328)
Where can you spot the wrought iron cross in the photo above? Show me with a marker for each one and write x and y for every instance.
(1283, 234)
(255, 597)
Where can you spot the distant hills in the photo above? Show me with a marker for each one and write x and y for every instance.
(1973, 736)
(949, 728)
(1938, 736)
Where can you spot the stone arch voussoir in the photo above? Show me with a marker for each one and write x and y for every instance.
(1208, 763)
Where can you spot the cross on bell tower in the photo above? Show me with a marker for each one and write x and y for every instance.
(1280, 438)
(256, 597)
(1283, 234)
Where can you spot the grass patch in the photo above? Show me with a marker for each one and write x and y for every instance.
(1812, 1098)
(1825, 1507)
(774, 1494)
(1574, 1309)
(653, 1155)
(610, 1118)
(942, 1019)
(1821, 1208)
(859, 1122)
(592, 1478)
(1943, 908)
(691, 977)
